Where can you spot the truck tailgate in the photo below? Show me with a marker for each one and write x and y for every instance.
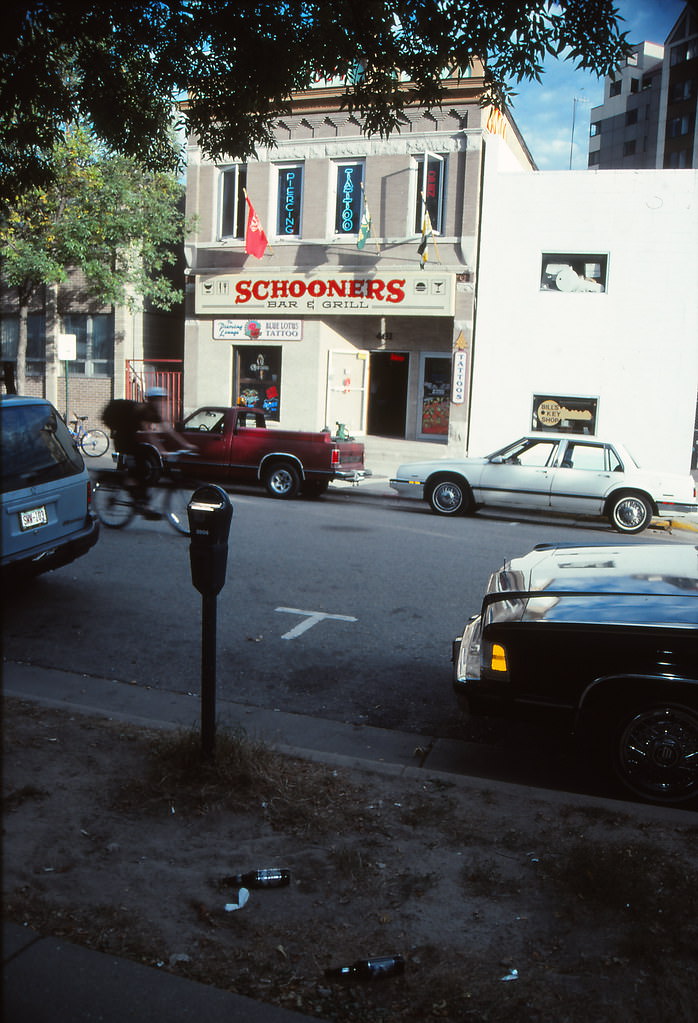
(351, 454)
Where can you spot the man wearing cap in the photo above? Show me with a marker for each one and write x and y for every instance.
(142, 416)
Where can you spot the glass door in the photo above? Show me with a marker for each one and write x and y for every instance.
(434, 395)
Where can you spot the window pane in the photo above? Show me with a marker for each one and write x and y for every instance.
(37, 448)
(9, 333)
(233, 182)
(288, 218)
(430, 191)
(36, 337)
(573, 272)
(102, 337)
(586, 456)
(348, 212)
(77, 324)
(228, 204)
(259, 379)
(563, 413)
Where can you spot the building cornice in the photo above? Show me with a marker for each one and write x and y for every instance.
(353, 146)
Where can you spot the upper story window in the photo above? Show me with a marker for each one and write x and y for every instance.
(682, 90)
(684, 51)
(595, 128)
(679, 126)
(233, 181)
(678, 159)
(631, 116)
(350, 178)
(634, 84)
(647, 81)
(573, 271)
(289, 201)
(431, 180)
(615, 88)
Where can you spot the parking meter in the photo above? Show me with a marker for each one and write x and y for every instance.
(210, 512)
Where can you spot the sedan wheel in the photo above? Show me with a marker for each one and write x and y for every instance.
(448, 498)
(631, 514)
(656, 754)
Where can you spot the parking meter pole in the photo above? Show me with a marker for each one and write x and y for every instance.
(209, 613)
(209, 512)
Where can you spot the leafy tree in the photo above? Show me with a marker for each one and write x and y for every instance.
(101, 213)
(119, 65)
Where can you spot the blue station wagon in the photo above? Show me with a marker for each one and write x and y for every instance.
(47, 518)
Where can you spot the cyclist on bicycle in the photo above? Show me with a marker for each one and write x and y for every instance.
(134, 418)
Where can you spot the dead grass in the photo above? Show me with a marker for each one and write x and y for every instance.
(245, 775)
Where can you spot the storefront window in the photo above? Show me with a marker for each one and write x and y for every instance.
(436, 395)
(258, 379)
(554, 413)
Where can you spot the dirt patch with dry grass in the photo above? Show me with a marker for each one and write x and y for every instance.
(505, 907)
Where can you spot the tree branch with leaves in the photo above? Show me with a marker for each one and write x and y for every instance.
(103, 214)
(122, 65)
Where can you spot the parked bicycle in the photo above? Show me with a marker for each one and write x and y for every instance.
(116, 505)
(93, 442)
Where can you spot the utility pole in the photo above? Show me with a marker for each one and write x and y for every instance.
(575, 101)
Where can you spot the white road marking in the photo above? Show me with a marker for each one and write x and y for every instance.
(311, 618)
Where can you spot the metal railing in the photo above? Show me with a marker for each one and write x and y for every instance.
(142, 375)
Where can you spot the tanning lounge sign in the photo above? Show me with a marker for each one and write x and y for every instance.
(400, 294)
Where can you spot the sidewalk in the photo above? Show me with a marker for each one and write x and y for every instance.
(47, 980)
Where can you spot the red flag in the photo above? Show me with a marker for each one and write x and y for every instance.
(255, 238)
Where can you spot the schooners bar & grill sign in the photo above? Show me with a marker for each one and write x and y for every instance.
(323, 294)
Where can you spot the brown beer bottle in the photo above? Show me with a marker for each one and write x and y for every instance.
(262, 879)
(368, 969)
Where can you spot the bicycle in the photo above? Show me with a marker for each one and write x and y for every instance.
(93, 442)
(116, 506)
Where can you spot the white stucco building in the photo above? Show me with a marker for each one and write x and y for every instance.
(587, 304)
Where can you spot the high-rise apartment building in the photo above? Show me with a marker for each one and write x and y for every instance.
(648, 116)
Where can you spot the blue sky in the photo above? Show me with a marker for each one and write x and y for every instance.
(543, 111)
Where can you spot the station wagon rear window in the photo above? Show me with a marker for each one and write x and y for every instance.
(37, 447)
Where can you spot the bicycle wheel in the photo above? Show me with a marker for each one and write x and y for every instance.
(94, 443)
(113, 504)
(174, 505)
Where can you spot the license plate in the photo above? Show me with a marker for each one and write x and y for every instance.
(32, 518)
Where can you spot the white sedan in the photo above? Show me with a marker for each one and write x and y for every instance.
(567, 473)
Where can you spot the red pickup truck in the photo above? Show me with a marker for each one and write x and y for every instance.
(236, 446)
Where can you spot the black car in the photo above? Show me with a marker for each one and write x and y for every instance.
(601, 641)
